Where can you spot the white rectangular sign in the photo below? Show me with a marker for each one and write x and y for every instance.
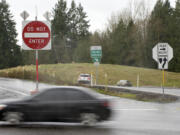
(36, 35)
(96, 48)
(162, 49)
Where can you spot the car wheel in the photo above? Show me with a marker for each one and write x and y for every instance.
(89, 119)
(13, 118)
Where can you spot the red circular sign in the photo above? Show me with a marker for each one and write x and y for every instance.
(36, 35)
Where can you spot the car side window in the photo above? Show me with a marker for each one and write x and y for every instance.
(52, 95)
(73, 94)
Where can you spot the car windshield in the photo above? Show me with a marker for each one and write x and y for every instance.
(85, 75)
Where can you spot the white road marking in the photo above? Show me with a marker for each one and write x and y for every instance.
(137, 109)
(14, 91)
(36, 35)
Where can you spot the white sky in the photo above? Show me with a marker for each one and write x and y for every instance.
(98, 11)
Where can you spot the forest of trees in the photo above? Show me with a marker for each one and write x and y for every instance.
(127, 40)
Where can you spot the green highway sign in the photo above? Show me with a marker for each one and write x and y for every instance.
(96, 52)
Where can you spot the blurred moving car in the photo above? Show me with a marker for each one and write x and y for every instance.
(84, 79)
(58, 104)
(124, 83)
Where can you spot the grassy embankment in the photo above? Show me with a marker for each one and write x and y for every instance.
(66, 74)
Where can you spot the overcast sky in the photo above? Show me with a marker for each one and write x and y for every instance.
(98, 11)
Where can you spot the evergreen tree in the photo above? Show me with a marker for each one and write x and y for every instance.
(78, 27)
(174, 64)
(82, 52)
(60, 20)
(69, 26)
(119, 44)
(59, 30)
(10, 54)
(83, 23)
(159, 28)
(133, 52)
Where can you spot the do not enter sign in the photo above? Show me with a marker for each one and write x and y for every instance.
(36, 35)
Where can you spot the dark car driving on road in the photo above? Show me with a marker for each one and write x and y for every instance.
(58, 104)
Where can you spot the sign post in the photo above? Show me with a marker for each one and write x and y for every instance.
(37, 71)
(37, 68)
(163, 78)
(96, 54)
(36, 36)
(162, 53)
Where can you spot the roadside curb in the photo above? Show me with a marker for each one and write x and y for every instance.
(140, 94)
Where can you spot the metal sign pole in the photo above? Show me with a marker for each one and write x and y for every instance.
(163, 81)
(37, 73)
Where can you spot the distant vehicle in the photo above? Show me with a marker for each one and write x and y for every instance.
(84, 79)
(124, 83)
(58, 104)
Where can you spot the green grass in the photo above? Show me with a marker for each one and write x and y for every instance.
(66, 74)
(111, 93)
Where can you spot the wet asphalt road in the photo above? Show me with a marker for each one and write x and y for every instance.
(130, 117)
